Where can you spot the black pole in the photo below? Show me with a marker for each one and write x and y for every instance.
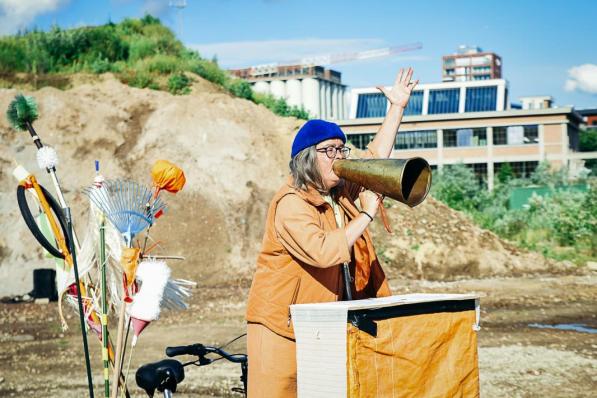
(347, 279)
(34, 136)
(69, 223)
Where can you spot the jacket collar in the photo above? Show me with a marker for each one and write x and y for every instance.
(311, 195)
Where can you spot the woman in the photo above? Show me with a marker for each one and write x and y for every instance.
(313, 227)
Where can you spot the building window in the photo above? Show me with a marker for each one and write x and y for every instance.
(415, 104)
(371, 105)
(479, 99)
(573, 138)
(465, 137)
(519, 169)
(416, 139)
(480, 170)
(360, 141)
(516, 135)
(443, 101)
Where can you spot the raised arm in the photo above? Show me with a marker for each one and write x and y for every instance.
(398, 96)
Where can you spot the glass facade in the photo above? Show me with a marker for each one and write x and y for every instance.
(519, 169)
(371, 105)
(480, 170)
(415, 104)
(516, 135)
(465, 137)
(416, 139)
(479, 99)
(360, 141)
(443, 101)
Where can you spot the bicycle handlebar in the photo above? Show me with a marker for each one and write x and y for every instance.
(201, 350)
(193, 349)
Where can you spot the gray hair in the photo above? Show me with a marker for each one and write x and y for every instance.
(304, 170)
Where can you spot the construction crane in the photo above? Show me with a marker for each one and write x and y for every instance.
(307, 84)
(332, 59)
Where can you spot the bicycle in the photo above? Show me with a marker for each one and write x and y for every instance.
(165, 375)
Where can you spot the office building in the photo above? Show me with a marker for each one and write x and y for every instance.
(469, 122)
(435, 99)
(471, 63)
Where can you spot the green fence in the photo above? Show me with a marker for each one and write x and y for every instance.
(520, 196)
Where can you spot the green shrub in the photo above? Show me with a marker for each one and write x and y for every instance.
(137, 50)
(562, 225)
(209, 71)
(505, 173)
(241, 88)
(458, 187)
(141, 47)
(101, 66)
(142, 80)
(149, 19)
(162, 64)
(299, 113)
(178, 84)
(130, 26)
(279, 106)
(12, 57)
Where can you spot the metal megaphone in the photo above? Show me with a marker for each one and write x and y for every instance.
(405, 180)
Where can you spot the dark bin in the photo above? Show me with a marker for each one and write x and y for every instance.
(44, 284)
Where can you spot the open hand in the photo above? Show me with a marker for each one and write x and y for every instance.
(403, 87)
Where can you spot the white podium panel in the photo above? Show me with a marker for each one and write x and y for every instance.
(397, 346)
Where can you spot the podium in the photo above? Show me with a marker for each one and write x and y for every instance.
(412, 345)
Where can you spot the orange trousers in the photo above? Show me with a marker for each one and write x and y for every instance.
(272, 363)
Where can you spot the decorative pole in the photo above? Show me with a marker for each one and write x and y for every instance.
(69, 223)
(103, 264)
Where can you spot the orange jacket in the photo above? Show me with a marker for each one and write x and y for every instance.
(302, 255)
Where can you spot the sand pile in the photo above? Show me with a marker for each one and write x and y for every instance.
(433, 241)
(235, 156)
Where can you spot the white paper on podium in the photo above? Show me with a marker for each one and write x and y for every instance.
(320, 332)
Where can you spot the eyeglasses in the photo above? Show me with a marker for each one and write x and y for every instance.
(331, 151)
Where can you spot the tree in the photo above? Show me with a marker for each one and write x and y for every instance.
(506, 173)
(458, 187)
(588, 143)
(587, 140)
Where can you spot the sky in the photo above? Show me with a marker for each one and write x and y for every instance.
(547, 47)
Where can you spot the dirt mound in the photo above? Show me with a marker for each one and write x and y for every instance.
(235, 156)
(433, 241)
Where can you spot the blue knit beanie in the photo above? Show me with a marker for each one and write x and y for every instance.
(313, 132)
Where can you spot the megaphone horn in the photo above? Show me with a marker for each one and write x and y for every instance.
(405, 180)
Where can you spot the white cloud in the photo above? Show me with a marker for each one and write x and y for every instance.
(582, 78)
(247, 53)
(18, 14)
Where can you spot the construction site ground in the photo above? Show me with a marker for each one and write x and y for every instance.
(235, 157)
(515, 360)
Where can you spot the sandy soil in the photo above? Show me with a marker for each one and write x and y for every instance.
(515, 360)
(235, 156)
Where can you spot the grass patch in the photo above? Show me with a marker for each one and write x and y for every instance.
(140, 52)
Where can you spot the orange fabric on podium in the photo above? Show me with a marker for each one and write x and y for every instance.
(429, 355)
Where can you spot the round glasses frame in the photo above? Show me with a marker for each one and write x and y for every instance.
(331, 151)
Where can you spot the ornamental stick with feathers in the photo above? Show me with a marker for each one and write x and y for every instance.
(21, 113)
(125, 205)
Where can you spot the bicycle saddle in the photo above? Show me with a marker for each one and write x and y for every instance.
(165, 374)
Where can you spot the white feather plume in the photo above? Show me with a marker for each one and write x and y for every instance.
(153, 275)
(176, 293)
(47, 157)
